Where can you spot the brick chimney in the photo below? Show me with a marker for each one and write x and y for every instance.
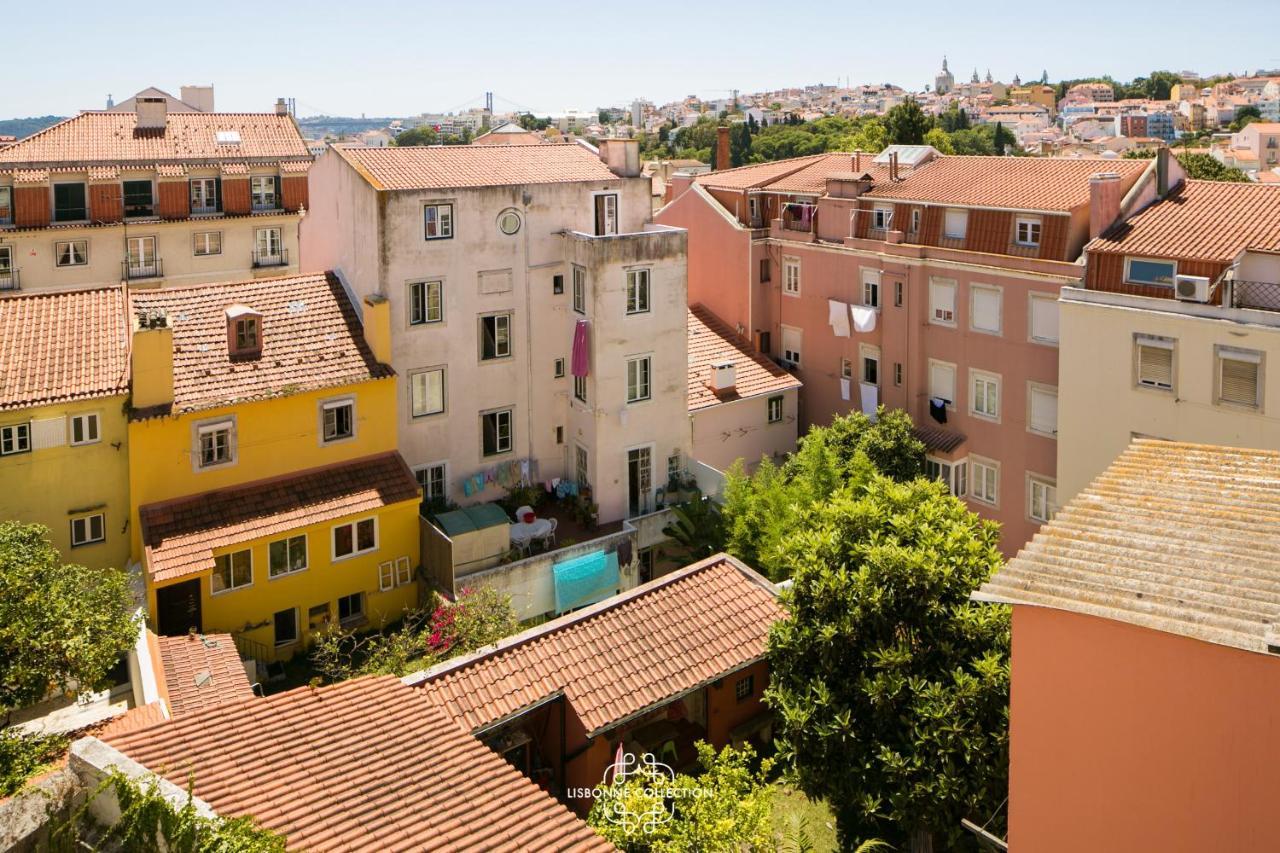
(152, 113)
(721, 157)
(151, 360)
(282, 108)
(1104, 201)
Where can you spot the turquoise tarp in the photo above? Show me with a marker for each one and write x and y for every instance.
(585, 580)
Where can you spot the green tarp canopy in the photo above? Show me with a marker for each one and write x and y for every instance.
(472, 518)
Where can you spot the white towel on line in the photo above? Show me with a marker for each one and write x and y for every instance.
(838, 318)
(870, 399)
(844, 389)
(864, 318)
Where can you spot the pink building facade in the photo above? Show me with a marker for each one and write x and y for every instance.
(876, 283)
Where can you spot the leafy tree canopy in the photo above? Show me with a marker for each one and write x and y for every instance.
(907, 123)
(890, 686)
(61, 625)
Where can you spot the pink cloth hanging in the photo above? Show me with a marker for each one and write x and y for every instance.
(580, 355)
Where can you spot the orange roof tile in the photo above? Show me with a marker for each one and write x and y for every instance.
(1200, 220)
(368, 764)
(759, 174)
(201, 671)
(179, 536)
(457, 166)
(1018, 183)
(813, 178)
(111, 137)
(698, 624)
(311, 338)
(711, 340)
(63, 346)
(132, 720)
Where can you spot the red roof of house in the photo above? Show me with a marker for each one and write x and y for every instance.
(461, 166)
(179, 536)
(202, 670)
(113, 137)
(1200, 220)
(56, 347)
(368, 764)
(311, 338)
(711, 340)
(693, 626)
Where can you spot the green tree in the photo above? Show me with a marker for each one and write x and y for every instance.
(698, 527)
(1003, 139)
(727, 807)
(420, 135)
(953, 118)
(907, 123)
(976, 140)
(1203, 167)
(1245, 115)
(890, 687)
(61, 624)
(739, 144)
(939, 139)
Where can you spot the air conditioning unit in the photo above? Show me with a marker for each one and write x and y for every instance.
(1191, 288)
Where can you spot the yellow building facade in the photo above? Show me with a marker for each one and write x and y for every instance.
(268, 497)
(63, 430)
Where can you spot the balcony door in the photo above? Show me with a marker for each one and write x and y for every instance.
(178, 609)
(269, 243)
(606, 208)
(639, 481)
(141, 256)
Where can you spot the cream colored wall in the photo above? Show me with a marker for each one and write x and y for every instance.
(34, 251)
(51, 485)
(719, 438)
(1100, 408)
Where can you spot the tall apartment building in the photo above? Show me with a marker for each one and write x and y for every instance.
(539, 318)
(1175, 331)
(152, 197)
(921, 282)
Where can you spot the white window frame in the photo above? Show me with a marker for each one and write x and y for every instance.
(978, 490)
(425, 288)
(202, 428)
(203, 195)
(955, 375)
(961, 215)
(86, 535)
(579, 290)
(353, 617)
(355, 540)
(444, 392)
(1221, 354)
(500, 351)
(497, 414)
(90, 426)
(975, 290)
(638, 291)
(1155, 342)
(882, 217)
(288, 554)
(206, 243)
(953, 472)
(1049, 487)
(260, 198)
(871, 288)
(78, 256)
(982, 384)
(868, 353)
(792, 357)
(1034, 388)
(232, 586)
(1128, 263)
(443, 466)
(612, 218)
(639, 388)
(15, 438)
(773, 409)
(1039, 298)
(939, 313)
(327, 406)
(790, 276)
(441, 215)
(1027, 232)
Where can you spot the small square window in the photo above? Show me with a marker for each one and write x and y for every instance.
(744, 688)
(351, 608)
(495, 429)
(1153, 362)
(433, 479)
(557, 284)
(15, 438)
(338, 420)
(942, 302)
(775, 409)
(84, 429)
(215, 444)
(87, 530)
(1027, 232)
(984, 394)
(286, 627)
(427, 392)
(1042, 498)
(206, 243)
(231, 571)
(285, 556)
(357, 537)
(495, 337)
(1239, 377)
(71, 253)
(985, 481)
(426, 302)
(246, 335)
(437, 221)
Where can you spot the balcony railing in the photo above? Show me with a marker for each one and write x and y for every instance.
(133, 270)
(278, 258)
(265, 206)
(203, 209)
(9, 280)
(1261, 295)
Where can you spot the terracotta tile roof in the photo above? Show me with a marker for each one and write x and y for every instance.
(171, 170)
(758, 174)
(1200, 220)
(458, 166)
(63, 346)
(695, 625)
(813, 178)
(937, 438)
(179, 536)
(132, 720)
(109, 137)
(201, 671)
(1019, 183)
(368, 764)
(710, 339)
(311, 338)
(1180, 538)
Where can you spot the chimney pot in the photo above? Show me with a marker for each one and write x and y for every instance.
(282, 108)
(723, 375)
(1104, 202)
(722, 149)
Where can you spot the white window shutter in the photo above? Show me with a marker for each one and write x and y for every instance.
(942, 300)
(1044, 318)
(1044, 411)
(48, 432)
(986, 309)
(942, 382)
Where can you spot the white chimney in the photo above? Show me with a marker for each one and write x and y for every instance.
(152, 113)
(723, 375)
(198, 97)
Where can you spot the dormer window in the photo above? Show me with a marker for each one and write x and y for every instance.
(244, 331)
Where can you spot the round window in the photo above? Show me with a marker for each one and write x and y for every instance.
(509, 222)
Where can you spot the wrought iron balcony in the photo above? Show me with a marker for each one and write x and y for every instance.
(9, 280)
(278, 258)
(138, 269)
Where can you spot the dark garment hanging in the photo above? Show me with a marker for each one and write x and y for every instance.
(938, 409)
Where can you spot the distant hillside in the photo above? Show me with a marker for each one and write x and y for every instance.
(318, 126)
(21, 127)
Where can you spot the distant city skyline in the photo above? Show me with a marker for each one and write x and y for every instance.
(390, 58)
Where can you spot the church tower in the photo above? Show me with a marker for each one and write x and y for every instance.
(944, 82)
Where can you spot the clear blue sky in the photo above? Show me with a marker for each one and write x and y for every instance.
(382, 57)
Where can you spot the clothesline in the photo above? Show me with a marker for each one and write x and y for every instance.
(509, 474)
